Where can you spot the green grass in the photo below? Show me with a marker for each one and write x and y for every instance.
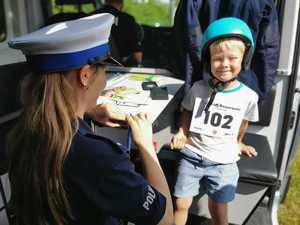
(87, 8)
(289, 212)
(150, 13)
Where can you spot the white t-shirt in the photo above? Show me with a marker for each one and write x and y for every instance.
(213, 134)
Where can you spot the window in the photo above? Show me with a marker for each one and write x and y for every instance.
(72, 6)
(2, 22)
(159, 13)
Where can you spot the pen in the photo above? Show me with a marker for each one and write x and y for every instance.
(129, 140)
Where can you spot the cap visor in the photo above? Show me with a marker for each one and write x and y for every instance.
(111, 61)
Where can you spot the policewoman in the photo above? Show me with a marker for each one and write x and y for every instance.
(60, 171)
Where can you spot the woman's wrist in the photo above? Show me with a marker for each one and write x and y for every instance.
(149, 146)
(148, 151)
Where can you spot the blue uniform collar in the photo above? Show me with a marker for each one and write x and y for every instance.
(84, 127)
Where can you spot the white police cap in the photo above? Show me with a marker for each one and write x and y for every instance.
(67, 45)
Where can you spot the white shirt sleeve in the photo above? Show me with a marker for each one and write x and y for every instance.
(189, 100)
(251, 113)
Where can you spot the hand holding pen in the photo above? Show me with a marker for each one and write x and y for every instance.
(129, 139)
(141, 132)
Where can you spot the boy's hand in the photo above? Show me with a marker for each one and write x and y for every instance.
(247, 150)
(178, 141)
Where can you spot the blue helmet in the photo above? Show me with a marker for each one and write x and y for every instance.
(228, 27)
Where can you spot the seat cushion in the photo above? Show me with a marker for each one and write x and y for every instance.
(260, 169)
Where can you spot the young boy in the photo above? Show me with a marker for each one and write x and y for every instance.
(214, 119)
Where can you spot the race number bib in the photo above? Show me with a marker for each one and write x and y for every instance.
(219, 121)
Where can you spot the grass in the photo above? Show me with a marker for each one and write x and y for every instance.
(289, 212)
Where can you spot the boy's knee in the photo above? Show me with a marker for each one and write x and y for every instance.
(184, 203)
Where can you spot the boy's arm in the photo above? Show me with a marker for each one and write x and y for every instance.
(245, 149)
(242, 131)
(179, 139)
(185, 120)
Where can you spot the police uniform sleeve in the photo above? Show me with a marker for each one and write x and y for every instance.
(194, 32)
(109, 180)
(188, 32)
(266, 56)
(137, 201)
(265, 60)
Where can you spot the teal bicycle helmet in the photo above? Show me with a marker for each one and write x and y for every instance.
(228, 27)
(225, 28)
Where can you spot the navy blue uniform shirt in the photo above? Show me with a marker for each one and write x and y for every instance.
(103, 187)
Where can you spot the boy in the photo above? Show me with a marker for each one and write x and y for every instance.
(214, 119)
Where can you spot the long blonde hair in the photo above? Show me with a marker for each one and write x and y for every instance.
(38, 146)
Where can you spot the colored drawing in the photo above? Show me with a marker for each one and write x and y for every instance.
(121, 92)
(141, 77)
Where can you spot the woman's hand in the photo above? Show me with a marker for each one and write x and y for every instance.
(107, 114)
(141, 130)
(179, 139)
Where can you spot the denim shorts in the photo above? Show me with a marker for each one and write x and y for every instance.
(197, 175)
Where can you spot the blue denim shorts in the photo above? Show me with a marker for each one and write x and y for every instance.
(197, 175)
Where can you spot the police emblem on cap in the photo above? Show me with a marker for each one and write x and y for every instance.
(67, 45)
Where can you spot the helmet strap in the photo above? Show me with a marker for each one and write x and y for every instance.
(211, 99)
(215, 90)
(222, 83)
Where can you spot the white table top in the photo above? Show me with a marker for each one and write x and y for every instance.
(141, 102)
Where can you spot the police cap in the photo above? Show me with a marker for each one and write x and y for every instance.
(67, 45)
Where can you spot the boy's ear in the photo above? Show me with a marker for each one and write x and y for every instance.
(84, 75)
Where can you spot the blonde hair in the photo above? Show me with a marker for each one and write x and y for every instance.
(228, 42)
(38, 146)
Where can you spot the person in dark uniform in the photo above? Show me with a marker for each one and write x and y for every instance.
(60, 171)
(127, 35)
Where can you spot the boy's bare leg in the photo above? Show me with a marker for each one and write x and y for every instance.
(218, 212)
(182, 210)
